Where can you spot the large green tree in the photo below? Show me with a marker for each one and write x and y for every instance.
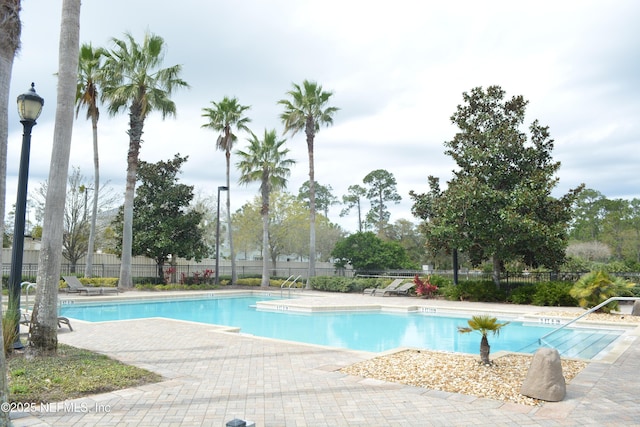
(224, 117)
(164, 226)
(498, 205)
(423, 208)
(381, 189)
(307, 109)
(634, 224)
(248, 227)
(599, 222)
(89, 69)
(366, 252)
(135, 81)
(588, 215)
(616, 225)
(410, 238)
(265, 161)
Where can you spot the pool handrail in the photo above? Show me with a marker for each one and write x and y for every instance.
(591, 310)
(293, 282)
(29, 285)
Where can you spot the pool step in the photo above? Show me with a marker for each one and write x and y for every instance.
(576, 343)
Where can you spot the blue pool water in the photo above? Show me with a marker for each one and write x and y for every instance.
(368, 331)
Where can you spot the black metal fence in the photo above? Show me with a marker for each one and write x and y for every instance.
(176, 273)
(508, 279)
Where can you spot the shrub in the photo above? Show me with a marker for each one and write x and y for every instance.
(147, 280)
(331, 284)
(544, 294)
(206, 277)
(598, 286)
(346, 284)
(522, 294)
(425, 287)
(100, 281)
(474, 290)
(440, 281)
(257, 281)
(554, 294)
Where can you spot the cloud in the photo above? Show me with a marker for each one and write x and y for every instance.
(397, 71)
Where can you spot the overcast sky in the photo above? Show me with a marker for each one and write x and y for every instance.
(397, 70)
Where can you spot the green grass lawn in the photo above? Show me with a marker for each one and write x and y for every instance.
(70, 374)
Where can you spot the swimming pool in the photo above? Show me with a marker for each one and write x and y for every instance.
(368, 331)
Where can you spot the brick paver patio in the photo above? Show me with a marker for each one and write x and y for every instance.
(213, 376)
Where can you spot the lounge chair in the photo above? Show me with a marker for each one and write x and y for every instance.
(26, 320)
(375, 291)
(402, 290)
(392, 285)
(75, 286)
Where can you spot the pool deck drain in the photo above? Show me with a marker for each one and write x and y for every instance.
(213, 376)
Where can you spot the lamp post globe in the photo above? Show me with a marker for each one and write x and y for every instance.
(30, 105)
(29, 109)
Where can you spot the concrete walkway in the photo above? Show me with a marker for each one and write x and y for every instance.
(213, 376)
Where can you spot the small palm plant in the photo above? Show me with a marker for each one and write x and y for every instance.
(483, 324)
(597, 287)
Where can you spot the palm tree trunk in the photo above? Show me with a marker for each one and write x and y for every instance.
(310, 132)
(44, 320)
(10, 34)
(485, 350)
(88, 268)
(265, 239)
(135, 134)
(234, 273)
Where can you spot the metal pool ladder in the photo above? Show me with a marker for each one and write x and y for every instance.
(290, 282)
(591, 310)
(29, 285)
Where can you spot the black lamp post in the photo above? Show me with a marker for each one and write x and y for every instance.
(217, 276)
(29, 108)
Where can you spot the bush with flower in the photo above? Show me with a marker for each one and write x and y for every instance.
(425, 288)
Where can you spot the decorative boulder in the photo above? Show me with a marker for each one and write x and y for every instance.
(545, 380)
(635, 311)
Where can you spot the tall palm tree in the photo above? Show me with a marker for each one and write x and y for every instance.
(265, 161)
(483, 324)
(44, 318)
(10, 29)
(307, 110)
(133, 80)
(224, 117)
(89, 69)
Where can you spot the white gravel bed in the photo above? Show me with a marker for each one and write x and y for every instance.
(458, 373)
(596, 317)
(462, 373)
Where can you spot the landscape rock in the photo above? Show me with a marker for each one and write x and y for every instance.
(545, 380)
(635, 311)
